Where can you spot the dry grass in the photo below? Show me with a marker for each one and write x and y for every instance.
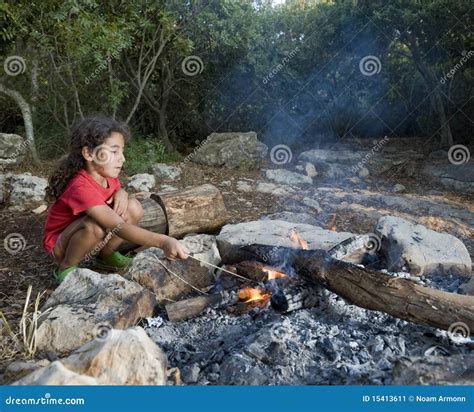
(20, 341)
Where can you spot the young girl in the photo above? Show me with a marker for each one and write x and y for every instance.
(91, 212)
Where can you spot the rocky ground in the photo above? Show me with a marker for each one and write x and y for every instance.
(333, 343)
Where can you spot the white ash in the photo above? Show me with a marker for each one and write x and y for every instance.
(334, 343)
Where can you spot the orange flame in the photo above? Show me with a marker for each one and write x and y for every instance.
(252, 295)
(296, 238)
(273, 274)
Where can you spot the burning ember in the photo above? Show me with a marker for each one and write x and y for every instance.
(298, 240)
(252, 295)
(273, 274)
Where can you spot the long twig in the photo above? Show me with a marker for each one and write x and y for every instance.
(224, 270)
(179, 277)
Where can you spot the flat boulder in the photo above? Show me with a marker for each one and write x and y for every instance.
(230, 150)
(87, 305)
(122, 357)
(274, 233)
(455, 177)
(419, 250)
(55, 374)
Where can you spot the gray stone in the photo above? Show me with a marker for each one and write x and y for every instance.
(468, 287)
(230, 150)
(363, 172)
(165, 173)
(456, 369)
(190, 373)
(398, 188)
(295, 218)
(240, 369)
(142, 182)
(313, 204)
(122, 357)
(87, 305)
(287, 177)
(243, 186)
(26, 191)
(273, 189)
(55, 374)
(454, 177)
(12, 149)
(419, 249)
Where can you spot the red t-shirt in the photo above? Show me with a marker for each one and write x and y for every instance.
(81, 193)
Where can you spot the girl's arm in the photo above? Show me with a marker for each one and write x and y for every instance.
(110, 220)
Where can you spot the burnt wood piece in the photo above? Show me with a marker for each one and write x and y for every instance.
(298, 295)
(370, 289)
(198, 209)
(189, 308)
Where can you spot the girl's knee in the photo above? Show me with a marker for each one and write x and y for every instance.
(93, 228)
(135, 209)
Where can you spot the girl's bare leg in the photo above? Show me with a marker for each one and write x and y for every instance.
(86, 236)
(132, 215)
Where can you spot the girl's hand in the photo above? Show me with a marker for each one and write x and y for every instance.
(173, 249)
(120, 202)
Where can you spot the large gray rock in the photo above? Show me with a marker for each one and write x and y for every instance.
(274, 233)
(56, 374)
(332, 156)
(87, 305)
(26, 191)
(123, 357)
(420, 250)
(287, 177)
(454, 177)
(230, 150)
(142, 182)
(165, 173)
(12, 149)
(148, 269)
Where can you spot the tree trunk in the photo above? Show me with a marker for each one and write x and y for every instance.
(432, 85)
(27, 119)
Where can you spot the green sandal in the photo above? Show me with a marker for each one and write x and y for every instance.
(60, 276)
(116, 261)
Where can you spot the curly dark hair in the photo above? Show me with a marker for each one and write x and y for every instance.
(90, 132)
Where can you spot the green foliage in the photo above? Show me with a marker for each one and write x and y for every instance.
(142, 152)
